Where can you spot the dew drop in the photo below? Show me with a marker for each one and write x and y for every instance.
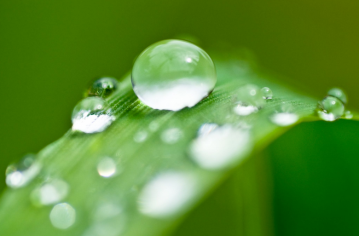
(172, 75)
(21, 173)
(330, 108)
(348, 115)
(220, 148)
(89, 116)
(103, 87)
(167, 194)
(267, 93)
(50, 192)
(248, 99)
(284, 118)
(171, 136)
(106, 167)
(284, 115)
(338, 93)
(63, 216)
(154, 126)
(140, 136)
(108, 219)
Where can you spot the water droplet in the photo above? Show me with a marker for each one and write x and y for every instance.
(166, 194)
(20, 174)
(154, 126)
(50, 192)
(248, 99)
(338, 93)
(89, 116)
(284, 115)
(171, 136)
(348, 115)
(173, 74)
(108, 219)
(206, 128)
(106, 167)
(220, 148)
(330, 108)
(103, 87)
(267, 93)
(63, 216)
(140, 136)
(284, 118)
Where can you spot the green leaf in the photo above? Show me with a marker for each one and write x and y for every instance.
(74, 158)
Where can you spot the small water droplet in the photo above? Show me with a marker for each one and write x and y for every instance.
(284, 118)
(248, 99)
(267, 93)
(89, 116)
(50, 192)
(172, 75)
(348, 115)
(220, 148)
(284, 115)
(330, 108)
(106, 167)
(167, 194)
(21, 173)
(140, 136)
(206, 129)
(63, 216)
(154, 126)
(103, 87)
(338, 93)
(171, 136)
(108, 219)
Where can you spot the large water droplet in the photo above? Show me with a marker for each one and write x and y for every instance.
(220, 148)
(106, 167)
(330, 108)
(103, 87)
(173, 74)
(166, 194)
(21, 173)
(50, 192)
(338, 93)
(171, 136)
(267, 93)
(248, 99)
(89, 116)
(62, 216)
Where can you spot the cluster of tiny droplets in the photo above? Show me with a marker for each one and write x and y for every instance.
(168, 75)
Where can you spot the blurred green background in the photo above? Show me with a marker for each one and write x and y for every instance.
(49, 51)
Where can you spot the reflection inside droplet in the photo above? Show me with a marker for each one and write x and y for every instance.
(166, 194)
(62, 216)
(284, 118)
(89, 116)
(106, 167)
(50, 192)
(220, 148)
(243, 110)
(206, 128)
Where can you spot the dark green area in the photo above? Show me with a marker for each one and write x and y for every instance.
(316, 179)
